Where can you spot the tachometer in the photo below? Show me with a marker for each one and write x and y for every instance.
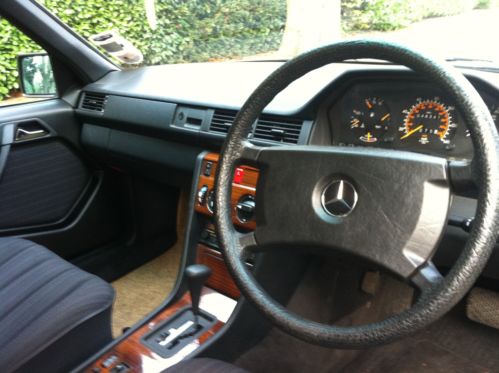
(428, 121)
(371, 120)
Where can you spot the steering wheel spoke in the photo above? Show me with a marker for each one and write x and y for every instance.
(249, 153)
(426, 276)
(462, 178)
(246, 244)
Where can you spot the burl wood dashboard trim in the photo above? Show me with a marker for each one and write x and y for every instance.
(139, 358)
(220, 279)
(246, 187)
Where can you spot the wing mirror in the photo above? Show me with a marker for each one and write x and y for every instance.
(35, 75)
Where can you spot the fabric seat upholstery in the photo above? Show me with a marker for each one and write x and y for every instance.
(52, 314)
(204, 365)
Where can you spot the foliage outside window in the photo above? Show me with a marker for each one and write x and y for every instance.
(12, 43)
(214, 30)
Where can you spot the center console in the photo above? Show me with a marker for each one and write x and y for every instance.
(243, 217)
(243, 192)
(188, 320)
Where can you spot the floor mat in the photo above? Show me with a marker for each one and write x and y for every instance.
(414, 356)
(142, 290)
(452, 344)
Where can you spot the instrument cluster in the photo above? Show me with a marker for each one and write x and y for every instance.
(405, 115)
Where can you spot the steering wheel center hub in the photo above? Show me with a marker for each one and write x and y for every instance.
(339, 198)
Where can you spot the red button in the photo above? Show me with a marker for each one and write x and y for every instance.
(238, 176)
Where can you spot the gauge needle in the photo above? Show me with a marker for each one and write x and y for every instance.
(411, 132)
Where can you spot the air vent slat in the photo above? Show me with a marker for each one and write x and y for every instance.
(290, 122)
(277, 134)
(222, 120)
(269, 128)
(225, 117)
(278, 129)
(280, 124)
(93, 101)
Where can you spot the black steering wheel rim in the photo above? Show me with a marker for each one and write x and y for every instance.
(439, 298)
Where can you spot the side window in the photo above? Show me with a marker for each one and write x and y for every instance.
(25, 69)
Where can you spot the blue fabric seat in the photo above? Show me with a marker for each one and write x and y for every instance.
(52, 314)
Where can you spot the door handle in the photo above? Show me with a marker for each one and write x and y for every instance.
(23, 134)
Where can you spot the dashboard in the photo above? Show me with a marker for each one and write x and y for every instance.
(402, 114)
(346, 104)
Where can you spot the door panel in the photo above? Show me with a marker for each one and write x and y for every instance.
(41, 182)
(50, 192)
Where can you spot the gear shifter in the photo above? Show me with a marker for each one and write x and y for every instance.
(188, 323)
(196, 274)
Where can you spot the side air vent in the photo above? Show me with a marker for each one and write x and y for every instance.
(279, 129)
(222, 120)
(93, 101)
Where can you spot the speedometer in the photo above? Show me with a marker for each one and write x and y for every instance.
(428, 121)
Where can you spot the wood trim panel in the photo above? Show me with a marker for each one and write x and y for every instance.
(246, 187)
(140, 358)
(220, 279)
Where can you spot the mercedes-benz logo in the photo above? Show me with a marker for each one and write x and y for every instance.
(339, 198)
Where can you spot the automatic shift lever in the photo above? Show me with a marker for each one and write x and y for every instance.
(180, 330)
(196, 274)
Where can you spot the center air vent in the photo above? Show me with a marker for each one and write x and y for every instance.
(279, 129)
(222, 120)
(93, 101)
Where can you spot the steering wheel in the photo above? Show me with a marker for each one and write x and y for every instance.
(385, 206)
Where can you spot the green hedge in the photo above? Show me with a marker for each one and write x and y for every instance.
(364, 15)
(12, 42)
(187, 30)
(385, 15)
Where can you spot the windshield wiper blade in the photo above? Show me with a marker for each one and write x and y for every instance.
(474, 64)
(466, 59)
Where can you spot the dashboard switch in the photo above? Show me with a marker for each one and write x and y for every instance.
(238, 175)
(210, 203)
(208, 168)
(110, 361)
(245, 208)
(202, 194)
